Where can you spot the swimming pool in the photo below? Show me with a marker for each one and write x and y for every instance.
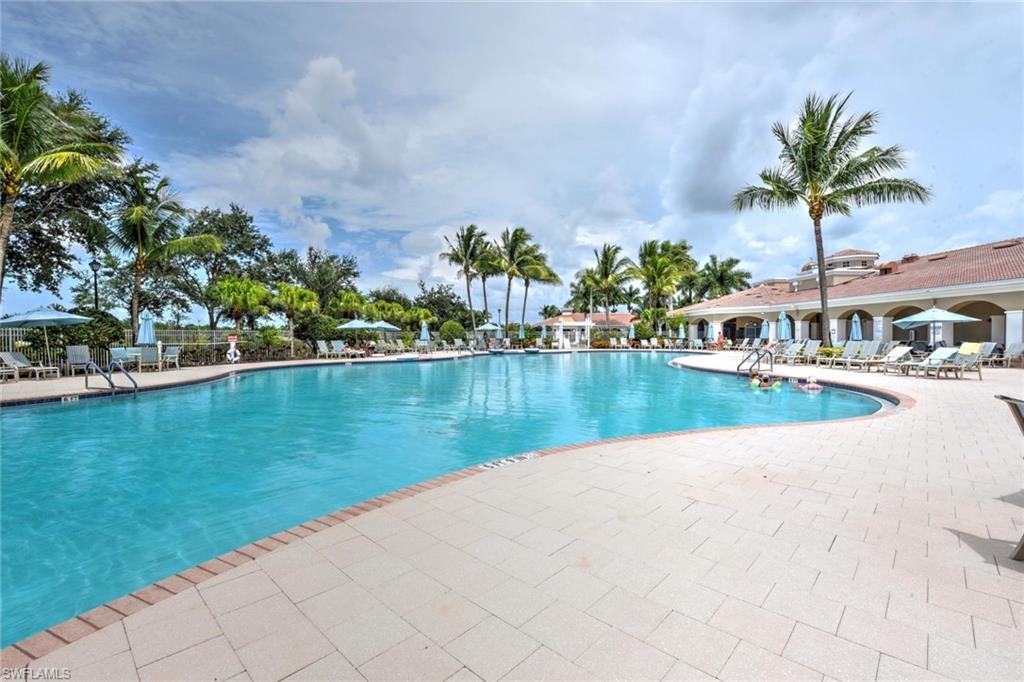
(102, 497)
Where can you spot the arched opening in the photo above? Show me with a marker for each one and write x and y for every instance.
(867, 324)
(813, 321)
(743, 327)
(703, 328)
(991, 325)
(897, 314)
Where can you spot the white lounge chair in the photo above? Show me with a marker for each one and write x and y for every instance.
(172, 354)
(868, 351)
(808, 354)
(892, 360)
(935, 361)
(17, 361)
(76, 358)
(850, 350)
(322, 351)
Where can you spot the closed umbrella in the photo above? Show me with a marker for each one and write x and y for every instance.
(544, 334)
(682, 332)
(932, 316)
(147, 334)
(631, 334)
(424, 332)
(522, 333)
(785, 329)
(44, 318)
(765, 332)
(856, 333)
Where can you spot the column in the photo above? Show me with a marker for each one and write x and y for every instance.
(883, 328)
(998, 333)
(942, 331)
(693, 331)
(838, 328)
(801, 330)
(1014, 326)
(773, 330)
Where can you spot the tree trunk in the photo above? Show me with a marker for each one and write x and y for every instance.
(526, 292)
(483, 285)
(291, 332)
(6, 227)
(508, 299)
(136, 295)
(607, 315)
(826, 328)
(469, 300)
(211, 312)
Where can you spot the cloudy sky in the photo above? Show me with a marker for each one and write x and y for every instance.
(376, 129)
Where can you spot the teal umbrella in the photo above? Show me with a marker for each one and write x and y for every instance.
(489, 327)
(424, 332)
(522, 333)
(631, 334)
(765, 331)
(932, 316)
(785, 329)
(44, 317)
(856, 333)
(357, 324)
(384, 326)
(147, 334)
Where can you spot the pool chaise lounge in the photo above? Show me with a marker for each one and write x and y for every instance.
(17, 361)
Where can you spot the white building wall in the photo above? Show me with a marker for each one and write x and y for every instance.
(1014, 326)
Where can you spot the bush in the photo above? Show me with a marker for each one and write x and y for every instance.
(643, 330)
(452, 330)
(830, 352)
(316, 327)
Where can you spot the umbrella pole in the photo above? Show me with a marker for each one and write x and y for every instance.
(46, 337)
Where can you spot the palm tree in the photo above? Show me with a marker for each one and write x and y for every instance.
(512, 253)
(720, 278)
(823, 167)
(347, 304)
(240, 296)
(549, 311)
(487, 266)
(608, 276)
(581, 291)
(659, 275)
(291, 300)
(632, 298)
(465, 252)
(536, 270)
(42, 144)
(147, 228)
(691, 287)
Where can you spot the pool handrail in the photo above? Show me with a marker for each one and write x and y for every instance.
(110, 370)
(757, 354)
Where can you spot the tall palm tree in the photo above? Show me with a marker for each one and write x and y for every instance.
(632, 298)
(608, 276)
(240, 297)
(347, 304)
(824, 168)
(659, 275)
(465, 252)
(292, 300)
(512, 253)
(487, 266)
(581, 291)
(720, 278)
(691, 287)
(537, 270)
(147, 228)
(42, 145)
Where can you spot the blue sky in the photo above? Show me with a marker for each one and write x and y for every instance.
(375, 129)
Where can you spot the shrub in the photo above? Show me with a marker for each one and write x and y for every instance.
(830, 352)
(452, 330)
(643, 330)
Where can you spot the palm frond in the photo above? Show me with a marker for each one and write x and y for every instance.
(186, 246)
(883, 191)
(70, 163)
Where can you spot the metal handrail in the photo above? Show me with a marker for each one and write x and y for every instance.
(117, 363)
(99, 370)
(757, 354)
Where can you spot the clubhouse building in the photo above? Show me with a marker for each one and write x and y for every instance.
(985, 282)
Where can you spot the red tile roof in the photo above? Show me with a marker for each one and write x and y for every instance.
(617, 319)
(993, 262)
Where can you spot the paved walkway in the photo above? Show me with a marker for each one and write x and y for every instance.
(863, 549)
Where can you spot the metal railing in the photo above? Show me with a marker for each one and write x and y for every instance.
(117, 363)
(108, 376)
(755, 357)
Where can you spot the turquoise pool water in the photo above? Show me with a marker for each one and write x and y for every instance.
(102, 497)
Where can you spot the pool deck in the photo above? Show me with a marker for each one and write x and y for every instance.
(870, 548)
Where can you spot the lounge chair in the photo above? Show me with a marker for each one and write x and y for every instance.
(742, 344)
(871, 355)
(1016, 406)
(613, 343)
(17, 361)
(644, 343)
(149, 356)
(967, 359)
(172, 354)
(789, 353)
(850, 350)
(808, 353)
(868, 351)
(76, 358)
(1014, 351)
(322, 351)
(892, 360)
(936, 360)
(399, 346)
(460, 346)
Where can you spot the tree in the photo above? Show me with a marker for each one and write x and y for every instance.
(659, 275)
(465, 252)
(823, 167)
(324, 273)
(243, 249)
(608, 276)
(512, 253)
(147, 228)
(721, 278)
(240, 296)
(347, 304)
(632, 298)
(536, 270)
(157, 292)
(292, 300)
(442, 301)
(691, 288)
(44, 143)
(582, 291)
(549, 311)
(391, 295)
(487, 266)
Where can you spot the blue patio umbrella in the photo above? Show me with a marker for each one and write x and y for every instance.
(489, 327)
(424, 332)
(44, 317)
(785, 329)
(765, 331)
(932, 316)
(522, 333)
(384, 326)
(357, 324)
(856, 333)
(147, 334)
(632, 332)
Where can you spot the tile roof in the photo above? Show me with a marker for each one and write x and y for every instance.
(617, 319)
(992, 262)
(850, 252)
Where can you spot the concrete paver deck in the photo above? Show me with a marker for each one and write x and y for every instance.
(859, 549)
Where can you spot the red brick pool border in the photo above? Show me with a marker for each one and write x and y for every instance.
(22, 653)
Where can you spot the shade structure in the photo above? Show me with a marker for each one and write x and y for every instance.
(682, 331)
(856, 332)
(357, 324)
(785, 328)
(765, 330)
(147, 333)
(932, 316)
(631, 334)
(424, 332)
(44, 318)
(522, 333)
